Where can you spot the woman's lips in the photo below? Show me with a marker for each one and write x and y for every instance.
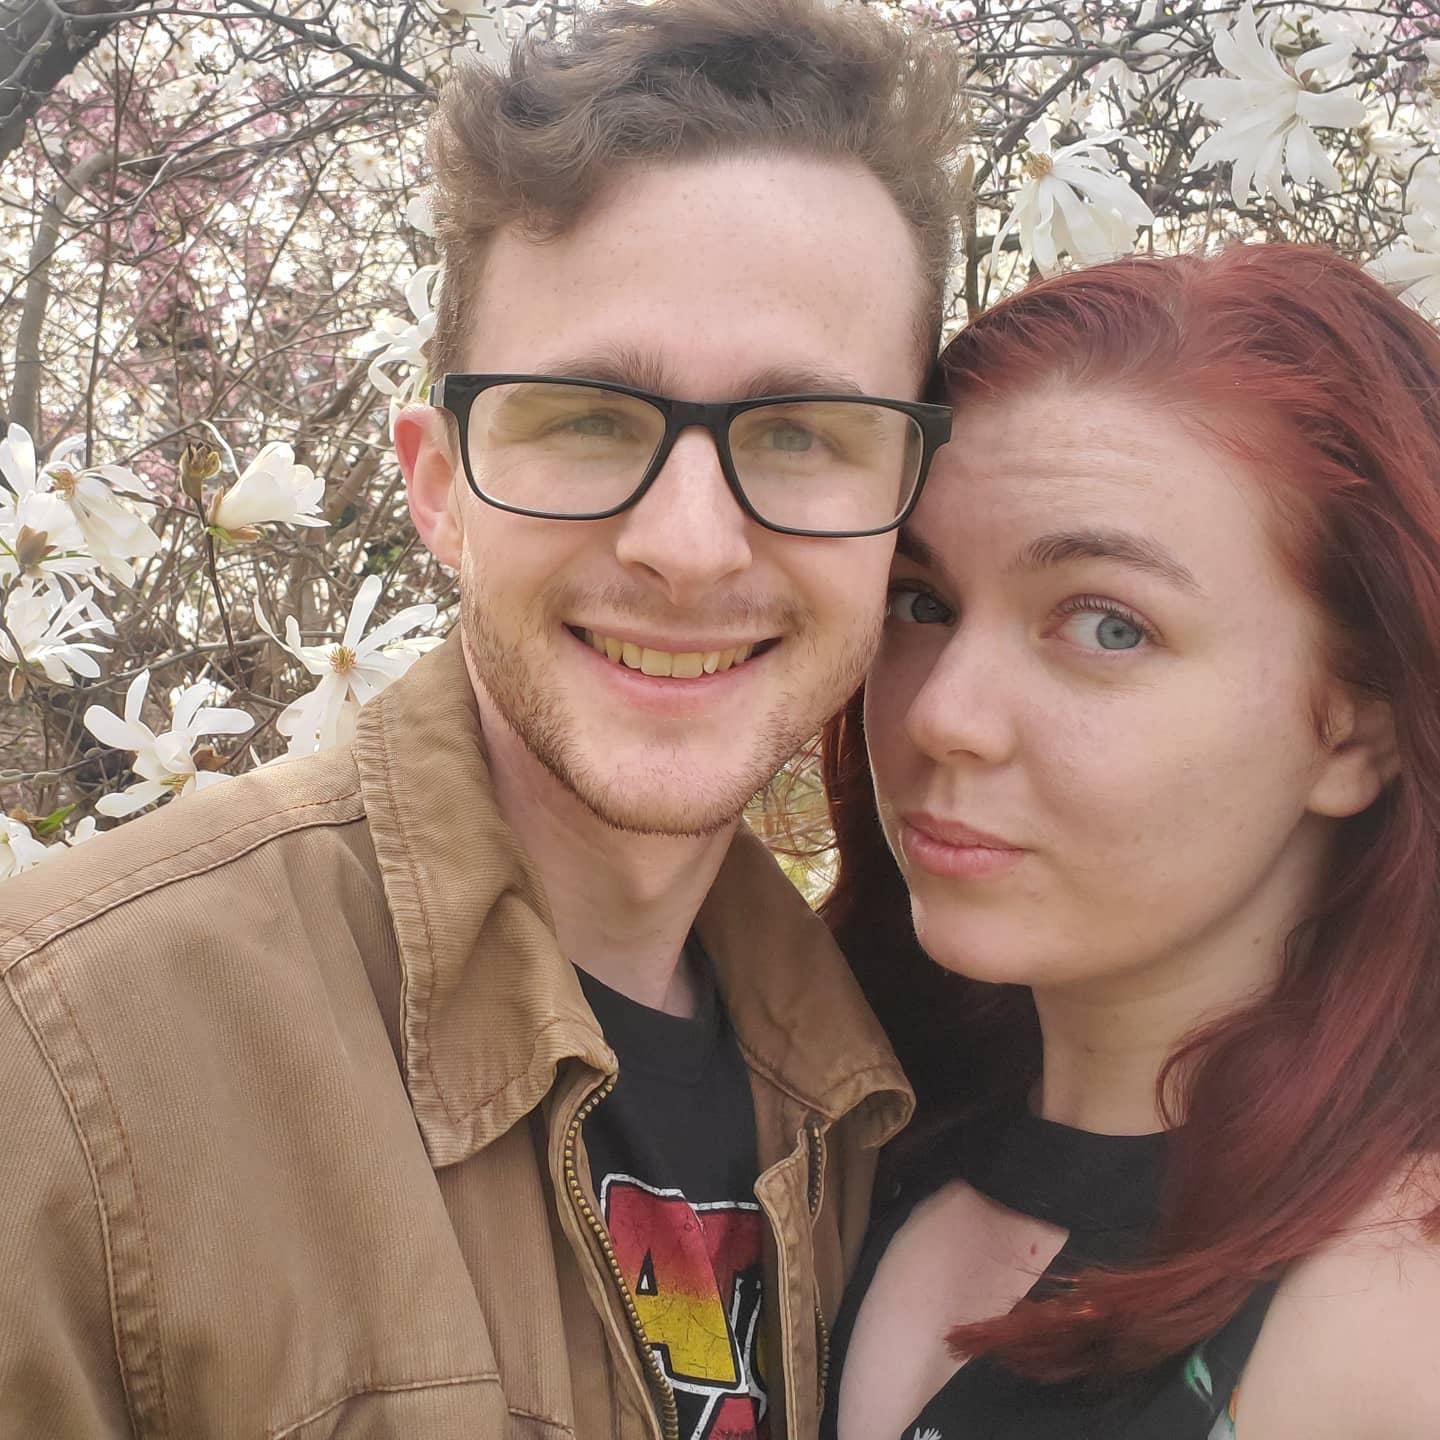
(955, 851)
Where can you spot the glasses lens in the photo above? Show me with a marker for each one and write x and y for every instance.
(833, 466)
(563, 450)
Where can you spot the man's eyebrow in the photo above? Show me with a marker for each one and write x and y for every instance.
(1133, 550)
(624, 366)
(799, 380)
(617, 365)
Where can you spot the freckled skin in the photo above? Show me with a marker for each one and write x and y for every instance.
(1167, 794)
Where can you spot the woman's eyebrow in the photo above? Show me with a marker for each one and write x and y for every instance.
(1136, 551)
(909, 546)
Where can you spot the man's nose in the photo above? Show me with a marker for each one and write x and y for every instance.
(688, 533)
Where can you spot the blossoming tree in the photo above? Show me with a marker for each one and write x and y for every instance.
(217, 283)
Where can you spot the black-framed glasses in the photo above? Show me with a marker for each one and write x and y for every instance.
(562, 448)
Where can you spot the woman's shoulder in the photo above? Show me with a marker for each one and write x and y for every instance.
(1349, 1347)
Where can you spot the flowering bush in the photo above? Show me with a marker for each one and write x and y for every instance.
(217, 282)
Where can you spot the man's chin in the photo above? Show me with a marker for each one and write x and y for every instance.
(694, 809)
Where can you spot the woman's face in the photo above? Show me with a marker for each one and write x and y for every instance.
(1093, 719)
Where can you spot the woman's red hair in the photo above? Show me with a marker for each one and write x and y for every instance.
(1300, 1107)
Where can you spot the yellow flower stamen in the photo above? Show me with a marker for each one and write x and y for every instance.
(1037, 166)
(63, 480)
(342, 659)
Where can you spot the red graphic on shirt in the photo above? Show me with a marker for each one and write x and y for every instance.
(694, 1272)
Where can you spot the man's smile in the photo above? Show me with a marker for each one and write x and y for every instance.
(686, 664)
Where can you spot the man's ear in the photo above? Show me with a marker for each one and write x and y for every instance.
(425, 447)
(1362, 754)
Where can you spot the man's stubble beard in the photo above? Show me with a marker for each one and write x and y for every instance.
(531, 709)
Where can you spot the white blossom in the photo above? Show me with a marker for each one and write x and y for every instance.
(165, 762)
(366, 163)
(401, 342)
(113, 531)
(1073, 201)
(272, 490)
(420, 213)
(351, 672)
(467, 9)
(1265, 109)
(180, 96)
(28, 516)
(1132, 72)
(47, 628)
(83, 832)
(1394, 150)
(1422, 195)
(1414, 268)
(19, 849)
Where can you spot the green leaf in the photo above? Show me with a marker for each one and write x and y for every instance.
(52, 823)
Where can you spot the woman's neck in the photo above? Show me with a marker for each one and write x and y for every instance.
(1106, 1041)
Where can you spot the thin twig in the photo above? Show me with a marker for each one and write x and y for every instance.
(214, 574)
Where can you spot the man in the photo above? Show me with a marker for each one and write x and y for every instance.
(483, 1078)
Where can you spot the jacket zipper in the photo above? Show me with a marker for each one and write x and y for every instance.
(669, 1412)
(815, 1136)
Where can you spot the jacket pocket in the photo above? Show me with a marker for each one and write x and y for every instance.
(460, 1407)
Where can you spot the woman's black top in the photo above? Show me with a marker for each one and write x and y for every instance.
(1105, 1191)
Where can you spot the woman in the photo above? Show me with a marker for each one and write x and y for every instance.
(1155, 735)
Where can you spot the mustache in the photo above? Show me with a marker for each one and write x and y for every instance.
(725, 612)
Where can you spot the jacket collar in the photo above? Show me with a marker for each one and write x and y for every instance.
(490, 1008)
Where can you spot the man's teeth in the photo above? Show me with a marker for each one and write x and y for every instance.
(687, 666)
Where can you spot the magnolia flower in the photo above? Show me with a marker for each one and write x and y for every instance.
(84, 831)
(1073, 200)
(109, 528)
(165, 762)
(40, 539)
(467, 10)
(366, 164)
(273, 490)
(1265, 111)
(1422, 195)
(403, 342)
(179, 96)
(19, 849)
(420, 213)
(1414, 268)
(45, 628)
(352, 672)
(1363, 24)
(1395, 151)
(1131, 70)
(488, 19)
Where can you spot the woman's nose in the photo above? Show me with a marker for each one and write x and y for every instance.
(966, 705)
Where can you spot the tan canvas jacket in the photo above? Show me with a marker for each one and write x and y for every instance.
(292, 1087)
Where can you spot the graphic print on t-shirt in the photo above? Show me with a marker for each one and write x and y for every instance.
(694, 1272)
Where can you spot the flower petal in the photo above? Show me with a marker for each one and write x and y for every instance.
(360, 612)
(128, 801)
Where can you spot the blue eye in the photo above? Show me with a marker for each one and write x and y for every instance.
(1113, 633)
(1097, 625)
(916, 607)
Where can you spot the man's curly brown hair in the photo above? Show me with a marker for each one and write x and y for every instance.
(534, 142)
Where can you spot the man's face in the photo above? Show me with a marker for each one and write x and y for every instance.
(711, 280)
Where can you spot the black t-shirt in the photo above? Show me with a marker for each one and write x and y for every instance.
(673, 1160)
(1104, 1190)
